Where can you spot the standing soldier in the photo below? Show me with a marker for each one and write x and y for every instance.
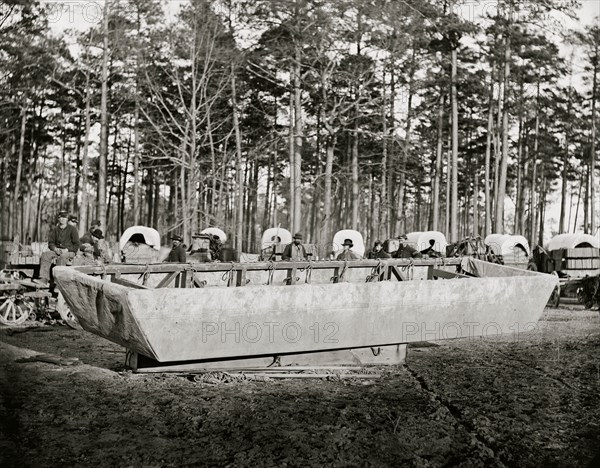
(177, 254)
(63, 242)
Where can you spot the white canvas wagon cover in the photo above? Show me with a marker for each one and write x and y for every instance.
(573, 241)
(268, 237)
(422, 240)
(214, 231)
(510, 247)
(356, 238)
(151, 236)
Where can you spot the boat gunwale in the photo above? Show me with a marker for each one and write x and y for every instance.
(115, 268)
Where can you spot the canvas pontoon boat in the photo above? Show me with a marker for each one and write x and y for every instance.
(220, 312)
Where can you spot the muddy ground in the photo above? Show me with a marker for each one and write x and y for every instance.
(526, 400)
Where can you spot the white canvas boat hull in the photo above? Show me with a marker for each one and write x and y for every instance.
(178, 324)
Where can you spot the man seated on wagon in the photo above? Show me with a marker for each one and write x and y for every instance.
(177, 254)
(405, 250)
(101, 249)
(63, 242)
(85, 256)
(87, 237)
(377, 251)
(295, 252)
(347, 253)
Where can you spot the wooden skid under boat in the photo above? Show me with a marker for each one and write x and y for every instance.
(197, 320)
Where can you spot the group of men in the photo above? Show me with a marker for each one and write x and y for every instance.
(297, 252)
(66, 247)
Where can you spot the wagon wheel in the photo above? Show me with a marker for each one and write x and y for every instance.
(554, 300)
(15, 309)
(65, 313)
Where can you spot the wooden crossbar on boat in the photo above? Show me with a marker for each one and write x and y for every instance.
(183, 313)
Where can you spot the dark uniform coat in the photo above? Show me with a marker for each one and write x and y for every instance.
(348, 255)
(177, 255)
(294, 252)
(373, 254)
(406, 251)
(67, 238)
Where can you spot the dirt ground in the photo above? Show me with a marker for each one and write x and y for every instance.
(526, 400)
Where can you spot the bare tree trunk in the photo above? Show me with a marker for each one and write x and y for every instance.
(526, 187)
(3, 197)
(476, 202)
(562, 228)
(331, 140)
(84, 159)
(136, 164)
(292, 187)
(383, 205)
(454, 204)
(586, 200)
(448, 177)
(438, 164)
(19, 167)
(520, 188)
(593, 148)
(499, 220)
(532, 208)
(542, 207)
(267, 208)
(103, 156)
(298, 142)
(239, 171)
(316, 189)
(354, 164)
(156, 199)
(488, 150)
(577, 209)
(391, 177)
(401, 221)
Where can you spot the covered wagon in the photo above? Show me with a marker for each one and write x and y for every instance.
(511, 250)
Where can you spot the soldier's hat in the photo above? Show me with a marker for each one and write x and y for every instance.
(298, 236)
(378, 242)
(63, 214)
(98, 233)
(73, 218)
(177, 238)
(348, 242)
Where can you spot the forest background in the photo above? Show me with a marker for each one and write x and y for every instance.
(315, 115)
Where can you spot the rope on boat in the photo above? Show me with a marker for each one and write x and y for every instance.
(308, 268)
(410, 269)
(228, 275)
(343, 272)
(375, 272)
(103, 270)
(145, 275)
(271, 270)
